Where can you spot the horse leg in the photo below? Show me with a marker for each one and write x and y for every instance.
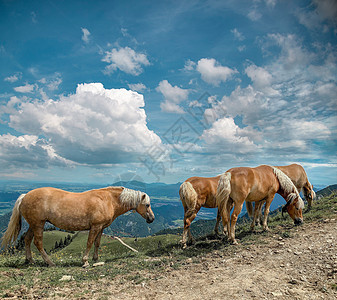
(188, 218)
(218, 219)
(266, 212)
(234, 217)
(260, 219)
(97, 243)
(28, 240)
(257, 210)
(38, 242)
(94, 231)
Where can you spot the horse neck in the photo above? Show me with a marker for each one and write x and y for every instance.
(120, 209)
(285, 193)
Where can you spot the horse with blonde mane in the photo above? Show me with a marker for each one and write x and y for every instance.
(299, 177)
(92, 210)
(238, 185)
(197, 192)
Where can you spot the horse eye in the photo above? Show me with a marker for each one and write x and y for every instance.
(147, 205)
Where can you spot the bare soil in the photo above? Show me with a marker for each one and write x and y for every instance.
(302, 266)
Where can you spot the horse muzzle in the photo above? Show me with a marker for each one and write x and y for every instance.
(298, 221)
(149, 220)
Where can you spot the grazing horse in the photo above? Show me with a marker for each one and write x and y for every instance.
(298, 176)
(238, 185)
(92, 210)
(197, 192)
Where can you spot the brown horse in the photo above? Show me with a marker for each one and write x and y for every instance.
(299, 178)
(238, 185)
(197, 192)
(92, 210)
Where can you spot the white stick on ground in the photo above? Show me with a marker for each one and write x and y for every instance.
(117, 238)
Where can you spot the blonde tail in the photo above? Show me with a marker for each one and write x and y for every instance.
(14, 225)
(188, 197)
(223, 190)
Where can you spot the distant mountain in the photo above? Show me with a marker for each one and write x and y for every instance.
(152, 189)
(327, 191)
(165, 202)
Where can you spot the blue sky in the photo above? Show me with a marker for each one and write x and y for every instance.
(93, 91)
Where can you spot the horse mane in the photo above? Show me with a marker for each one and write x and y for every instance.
(131, 198)
(288, 187)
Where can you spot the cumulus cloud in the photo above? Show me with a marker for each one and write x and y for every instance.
(254, 14)
(173, 95)
(212, 72)
(27, 151)
(287, 108)
(228, 136)
(237, 34)
(189, 65)
(93, 126)
(27, 88)
(13, 78)
(327, 9)
(261, 79)
(293, 54)
(86, 35)
(126, 60)
(138, 87)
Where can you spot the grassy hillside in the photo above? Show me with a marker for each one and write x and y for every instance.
(156, 253)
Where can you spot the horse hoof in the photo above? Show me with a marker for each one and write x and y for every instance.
(235, 242)
(86, 265)
(29, 261)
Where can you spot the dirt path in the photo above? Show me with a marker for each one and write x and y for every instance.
(301, 267)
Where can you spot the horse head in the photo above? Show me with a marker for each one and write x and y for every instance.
(144, 208)
(294, 207)
(310, 195)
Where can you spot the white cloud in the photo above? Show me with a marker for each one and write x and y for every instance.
(86, 35)
(126, 60)
(237, 34)
(171, 107)
(254, 14)
(227, 136)
(262, 79)
(212, 72)
(173, 96)
(293, 54)
(327, 9)
(271, 3)
(93, 126)
(138, 87)
(27, 88)
(189, 65)
(13, 78)
(27, 151)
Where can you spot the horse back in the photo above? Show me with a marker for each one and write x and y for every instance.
(205, 188)
(253, 184)
(67, 210)
(296, 173)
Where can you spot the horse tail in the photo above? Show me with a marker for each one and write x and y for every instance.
(249, 206)
(14, 225)
(223, 190)
(188, 197)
